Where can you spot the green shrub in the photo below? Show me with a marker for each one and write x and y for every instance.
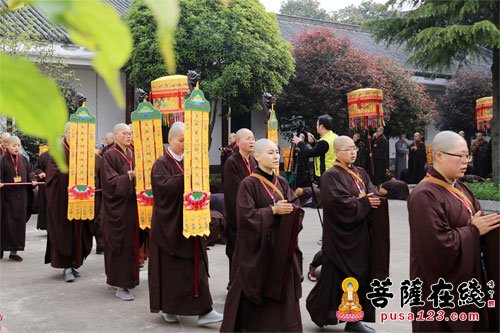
(485, 191)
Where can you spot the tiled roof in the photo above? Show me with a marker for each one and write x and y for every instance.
(362, 40)
(290, 26)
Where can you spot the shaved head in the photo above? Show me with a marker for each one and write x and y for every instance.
(176, 129)
(445, 141)
(120, 127)
(342, 141)
(262, 145)
(109, 135)
(4, 137)
(13, 139)
(241, 133)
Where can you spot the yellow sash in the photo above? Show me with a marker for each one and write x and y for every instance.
(271, 185)
(352, 173)
(450, 188)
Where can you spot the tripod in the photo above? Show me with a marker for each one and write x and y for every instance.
(295, 157)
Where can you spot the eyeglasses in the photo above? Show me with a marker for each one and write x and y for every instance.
(463, 158)
(350, 149)
(127, 133)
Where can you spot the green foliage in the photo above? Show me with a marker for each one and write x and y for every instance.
(92, 24)
(485, 191)
(20, 81)
(459, 101)
(237, 49)
(304, 8)
(96, 26)
(440, 33)
(327, 68)
(367, 10)
(167, 16)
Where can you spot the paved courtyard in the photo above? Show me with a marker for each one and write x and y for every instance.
(35, 298)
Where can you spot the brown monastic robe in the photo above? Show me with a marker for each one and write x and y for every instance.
(348, 244)
(235, 170)
(41, 166)
(120, 224)
(68, 242)
(444, 245)
(416, 162)
(171, 271)
(261, 298)
(14, 201)
(380, 154)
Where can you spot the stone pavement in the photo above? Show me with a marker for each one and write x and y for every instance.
(35, 298)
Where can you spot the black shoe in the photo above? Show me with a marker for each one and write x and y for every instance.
(16, 257)
(1, 254)
(99, 252)
(358, 326)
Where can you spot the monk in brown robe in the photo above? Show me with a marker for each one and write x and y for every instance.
(446, 231)
(14, 168)
(348, 198)
(68, 242)
(267, 264)
(380, 156)
(175, 287)
(237, 167)
(417, 157)
(39, 170)
(120, 224)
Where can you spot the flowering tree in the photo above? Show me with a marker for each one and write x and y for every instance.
(327, 68)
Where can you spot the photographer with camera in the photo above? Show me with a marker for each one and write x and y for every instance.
(322, 149)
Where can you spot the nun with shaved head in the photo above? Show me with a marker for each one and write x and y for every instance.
(171, 271)
(267, 264)
(238, 166)
(448, 234)
(351, 214)
(119, 214)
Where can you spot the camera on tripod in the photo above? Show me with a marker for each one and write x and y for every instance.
(293, 126)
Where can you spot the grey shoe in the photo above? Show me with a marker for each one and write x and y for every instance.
(358, 326)
(124, 294)
(210, 318)
(68, 275)
(171, 318)
(75, 273)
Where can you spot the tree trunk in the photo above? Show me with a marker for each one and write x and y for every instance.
(495, 124)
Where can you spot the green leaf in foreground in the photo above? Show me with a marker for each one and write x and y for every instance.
(166, 13)
(98, 27)
(35, 101)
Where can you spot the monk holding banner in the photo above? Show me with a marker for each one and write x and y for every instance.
(267, 264)
(453, 245)
(171, 271)
(119, 215)
(68, 242)
(355, 238)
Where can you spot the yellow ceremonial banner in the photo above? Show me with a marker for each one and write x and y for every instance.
(168, 94)
(365, 108)
(428, 152)
(148, 147)
(484, 112)
(42, 149)
(272, 130)
(81, 185)
(196, 210)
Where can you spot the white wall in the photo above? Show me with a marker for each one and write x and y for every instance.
(99, 99)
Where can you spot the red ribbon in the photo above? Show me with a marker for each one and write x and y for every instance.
(247, 164)
(129, 161)
(178, 165)
(15, 164)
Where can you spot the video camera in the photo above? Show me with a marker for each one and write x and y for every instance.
(290, 127)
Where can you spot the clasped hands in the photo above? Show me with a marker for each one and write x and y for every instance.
(282, 207)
